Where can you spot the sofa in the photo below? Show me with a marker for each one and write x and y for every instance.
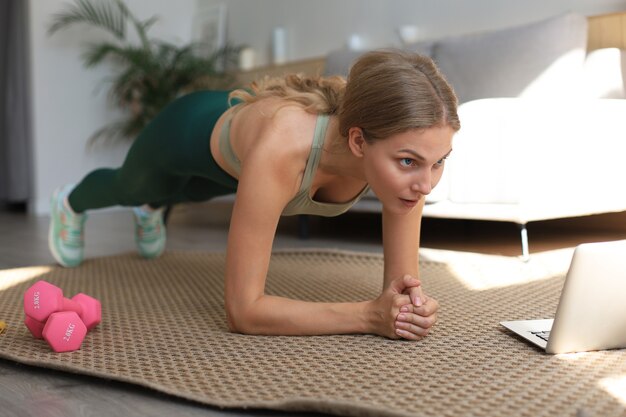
(543, 121)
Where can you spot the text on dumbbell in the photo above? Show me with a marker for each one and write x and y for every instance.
(68, 332)
(36, 300)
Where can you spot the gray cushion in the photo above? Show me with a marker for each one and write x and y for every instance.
(536, 60)
(338, 62)
(422, 48)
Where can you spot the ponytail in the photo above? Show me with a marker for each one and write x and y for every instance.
(318, 95)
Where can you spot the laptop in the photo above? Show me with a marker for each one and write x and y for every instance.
(591, 314)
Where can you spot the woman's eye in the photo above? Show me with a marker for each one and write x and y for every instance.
(440, 162)
(406, 162)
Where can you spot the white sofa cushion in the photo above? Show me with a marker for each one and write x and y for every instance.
(542, 59)
(546, 156)
(486, 164)
(604, 73)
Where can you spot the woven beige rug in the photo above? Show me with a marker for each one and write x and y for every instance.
(164, 327)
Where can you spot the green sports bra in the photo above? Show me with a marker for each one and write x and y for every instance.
(302, 203)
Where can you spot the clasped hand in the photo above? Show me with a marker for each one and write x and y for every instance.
(403, 311)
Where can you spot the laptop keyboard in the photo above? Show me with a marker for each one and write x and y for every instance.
(542, 335)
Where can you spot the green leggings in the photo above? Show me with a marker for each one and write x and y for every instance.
(170, 162)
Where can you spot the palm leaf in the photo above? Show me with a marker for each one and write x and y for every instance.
(94, 54)
(138, 58)
(102, 14)
(143, 27)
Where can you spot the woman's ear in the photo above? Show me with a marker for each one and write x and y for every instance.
(356, 141)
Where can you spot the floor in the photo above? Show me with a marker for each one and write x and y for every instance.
(29, 391)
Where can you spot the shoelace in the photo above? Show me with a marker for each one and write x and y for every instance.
(73, 227)
(149, 226)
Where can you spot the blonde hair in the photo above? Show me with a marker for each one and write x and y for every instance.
(387, 92)
(317, 95)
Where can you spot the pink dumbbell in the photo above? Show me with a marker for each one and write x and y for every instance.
(64, 331)
(43, 299)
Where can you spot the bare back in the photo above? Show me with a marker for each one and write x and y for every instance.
(287, 131)
(265, 124)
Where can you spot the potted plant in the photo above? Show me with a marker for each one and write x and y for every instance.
(151, 73)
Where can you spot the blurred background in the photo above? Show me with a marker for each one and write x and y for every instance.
(52, 104)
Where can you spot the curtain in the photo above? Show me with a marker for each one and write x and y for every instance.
(15, 139)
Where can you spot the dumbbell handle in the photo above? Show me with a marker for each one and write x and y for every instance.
(71, 305)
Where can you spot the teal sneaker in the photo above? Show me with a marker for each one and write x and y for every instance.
(150, 233)
(66, 232)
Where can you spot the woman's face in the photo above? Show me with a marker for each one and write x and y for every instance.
(403, 168)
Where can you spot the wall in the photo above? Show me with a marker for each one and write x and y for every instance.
(69, 102)
(315, 27)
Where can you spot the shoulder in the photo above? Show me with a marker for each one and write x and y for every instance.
(279, 127)
(279, 117)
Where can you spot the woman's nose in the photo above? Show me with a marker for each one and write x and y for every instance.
(422, 185)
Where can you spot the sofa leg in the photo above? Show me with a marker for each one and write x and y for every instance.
(524, 235)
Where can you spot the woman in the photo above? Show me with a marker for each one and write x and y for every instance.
(294, 145)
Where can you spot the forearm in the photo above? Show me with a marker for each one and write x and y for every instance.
(271, 315)
(401, 239)
(399, 262)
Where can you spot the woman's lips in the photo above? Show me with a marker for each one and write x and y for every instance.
(409, 203)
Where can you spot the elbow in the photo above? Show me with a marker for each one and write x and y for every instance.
(235, 324)
(238, 319)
